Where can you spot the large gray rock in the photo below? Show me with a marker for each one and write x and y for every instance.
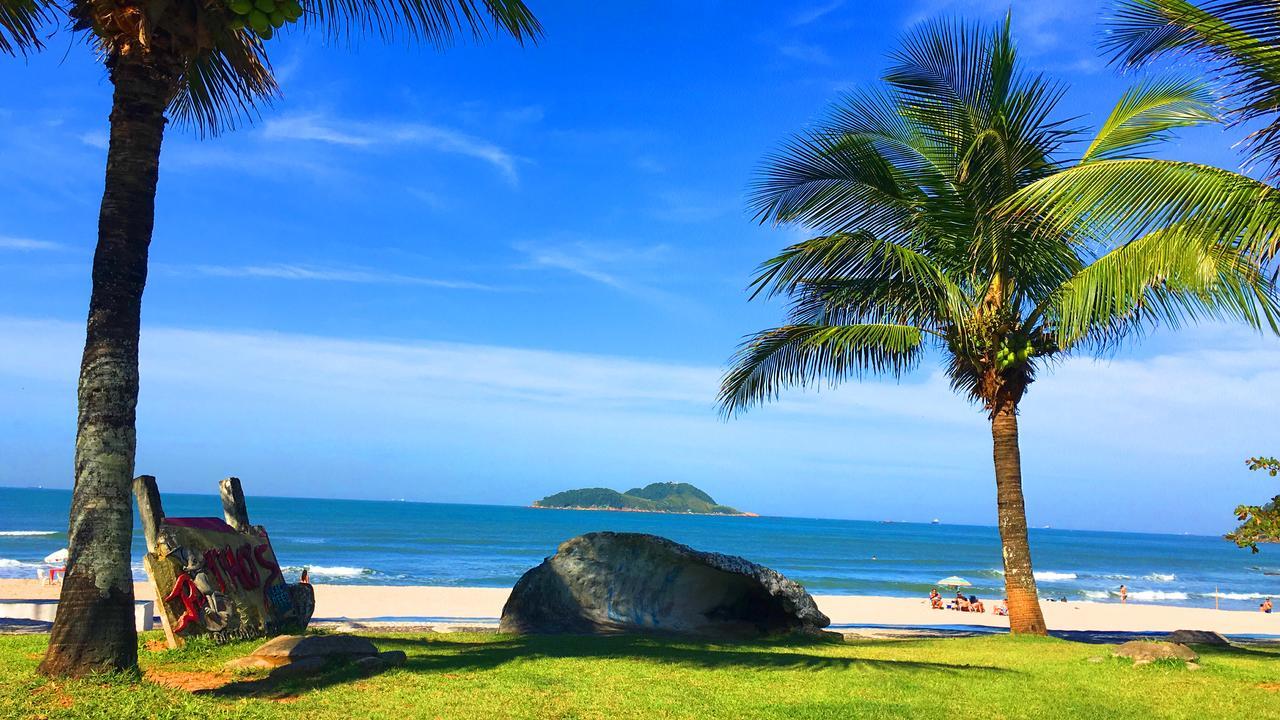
(610, 582)
(1146, 651)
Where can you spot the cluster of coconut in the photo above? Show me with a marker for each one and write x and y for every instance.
(263, 17)
(1015, 350)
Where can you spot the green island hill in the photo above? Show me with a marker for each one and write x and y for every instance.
(660, 497)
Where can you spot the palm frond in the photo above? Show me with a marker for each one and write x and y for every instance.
(1129, 198)
(433, 21)
(1240, 39)
(20, 23)
(1168, 277)
(799, 355)
(225, 85)
(1147, 113)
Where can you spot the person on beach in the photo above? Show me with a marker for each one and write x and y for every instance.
(1265, 606)
(935, 599)
(975, 605)
(962, 602)
(1002, 609)
(1124, 594)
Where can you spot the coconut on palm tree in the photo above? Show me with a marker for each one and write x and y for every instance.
(901, 185)
(204, 64)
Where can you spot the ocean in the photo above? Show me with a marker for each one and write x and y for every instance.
(406, 543)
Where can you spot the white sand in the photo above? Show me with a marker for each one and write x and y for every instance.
(369, 601)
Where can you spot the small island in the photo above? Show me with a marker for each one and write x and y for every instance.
(660, 497)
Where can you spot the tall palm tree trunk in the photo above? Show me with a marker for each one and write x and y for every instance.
(1025, 615)
(94, 628)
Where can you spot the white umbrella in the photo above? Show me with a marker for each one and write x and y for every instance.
(57, 558)
(955, 582)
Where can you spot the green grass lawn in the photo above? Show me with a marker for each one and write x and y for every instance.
(493, 676)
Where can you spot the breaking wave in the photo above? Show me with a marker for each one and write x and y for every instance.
(1161, 577)
(1157, 595)
(1050, 575)
(1235, 596)
(26, 533)
(332, 571)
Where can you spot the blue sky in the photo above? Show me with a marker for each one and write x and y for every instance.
(493, 273)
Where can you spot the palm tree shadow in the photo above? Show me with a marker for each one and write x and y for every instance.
(441, 655)
(787, 654)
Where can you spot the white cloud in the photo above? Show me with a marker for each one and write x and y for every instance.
(317, 128)
(1141, 443)
(27, 244)
(286, 271)
(814, 13)
(95, 139)
(620, 267)
(805, 52)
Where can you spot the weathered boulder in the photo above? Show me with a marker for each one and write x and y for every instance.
(295, 647)
(1197, 637)
(1142, 652)
(303, 597)
(609, 582)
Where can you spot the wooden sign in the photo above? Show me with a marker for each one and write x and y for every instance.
(217, 577)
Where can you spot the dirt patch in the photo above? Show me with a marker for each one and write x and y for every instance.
(189, 681)
(157, 646)
(1271, 686)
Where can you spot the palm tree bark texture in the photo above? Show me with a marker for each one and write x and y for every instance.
(93, 629)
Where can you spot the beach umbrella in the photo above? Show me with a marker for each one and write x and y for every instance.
(955, 582)
(57, 558)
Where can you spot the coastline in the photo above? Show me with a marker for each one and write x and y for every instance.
(484, 606)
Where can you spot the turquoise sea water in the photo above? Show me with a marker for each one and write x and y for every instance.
(402, 543)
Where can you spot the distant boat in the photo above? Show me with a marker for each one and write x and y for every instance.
(935, 521)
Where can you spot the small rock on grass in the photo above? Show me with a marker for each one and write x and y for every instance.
(298, 668)
(256, 662)
(302, 646)
(1142, 652)
(393, 658)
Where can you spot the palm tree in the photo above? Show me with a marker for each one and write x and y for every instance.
(204, 64)
(902, 183)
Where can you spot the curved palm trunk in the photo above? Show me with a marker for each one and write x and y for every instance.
(94, 628)
(1025, 615)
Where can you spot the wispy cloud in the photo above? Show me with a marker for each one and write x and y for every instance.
(94, 139)
(805, 52)
(814, 13)
(1039, 24)
(284, 271)
(27, 244)
(625, 268)
(318, 128)
(690, 206)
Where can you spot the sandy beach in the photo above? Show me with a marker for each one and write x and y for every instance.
(357, 602)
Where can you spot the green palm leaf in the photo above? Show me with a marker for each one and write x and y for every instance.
(1167, 277)
(1147, 113)
(20, 23)
(1239, 38)
(798, 355)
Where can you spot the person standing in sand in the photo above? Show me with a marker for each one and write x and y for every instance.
(1265, 606)
(1124, 594)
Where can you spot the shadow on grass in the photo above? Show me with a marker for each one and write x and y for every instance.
(439, 655)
